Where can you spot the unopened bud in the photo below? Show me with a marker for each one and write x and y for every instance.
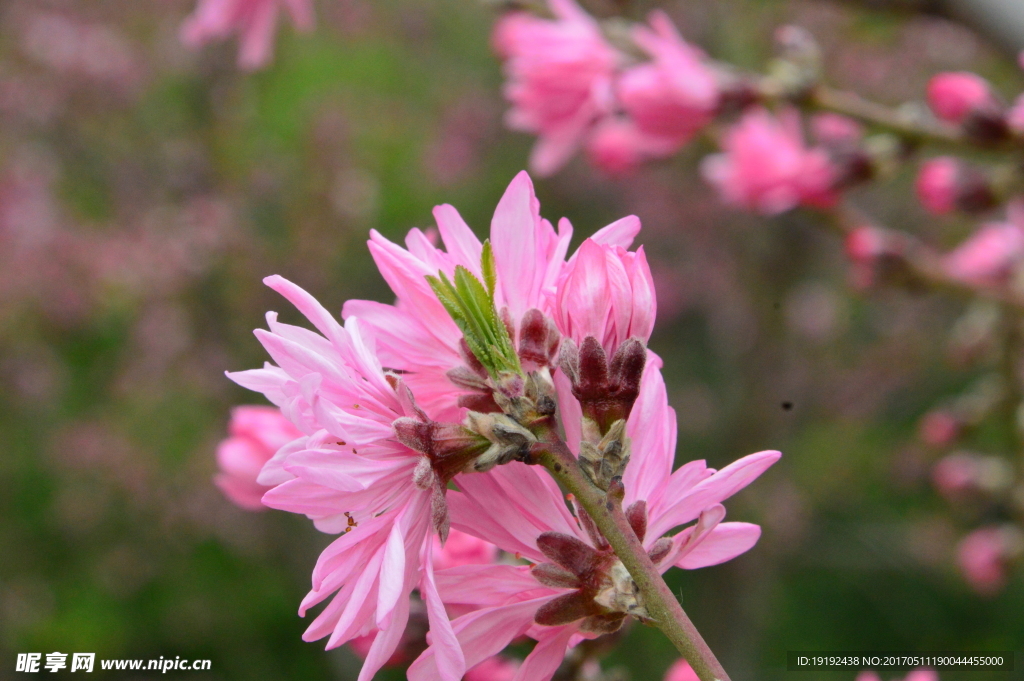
(606, 461)
(538, 340)
(606, 393)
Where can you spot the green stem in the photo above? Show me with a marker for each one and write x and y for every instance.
(855, 106)
(661, 603)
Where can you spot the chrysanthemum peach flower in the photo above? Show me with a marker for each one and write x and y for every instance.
(559, 78)
(575, 588)
(417, 337)
(255, 21)
(766, 166)
(676, 94)
(254, 436)
(350, 474)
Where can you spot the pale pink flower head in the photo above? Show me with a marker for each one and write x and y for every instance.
(984, 557)
(417, 336)
(674, 95)
(953, 96)
(353, 475)
(963, 473)
(254, 436)
(573, 589)
(559, 79)
(617, 148)
(255, 22)
(607, 292)
(989, 256)
(681, 671)
(766, 167)
(936, 184)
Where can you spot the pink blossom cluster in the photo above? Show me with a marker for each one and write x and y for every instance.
(403, 429)
(569, 86)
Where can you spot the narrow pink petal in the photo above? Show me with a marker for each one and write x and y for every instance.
(392, 574)
(652, 429)
(481, 585)
(543, 661)
(324, 322)
(619, 233)
(514, 234)
(448, 657)
(459, 240)
(715, 489)
(482, 634)
(723, 543)
(386, 642)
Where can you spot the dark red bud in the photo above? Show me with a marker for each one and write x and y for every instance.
(636, 514)
(659, 550)
(552, 575)
(566, 609)
(567, 551)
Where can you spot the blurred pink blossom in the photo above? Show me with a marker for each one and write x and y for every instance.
(674, 95)
(766, 166)
(681, 671)
(988, 257)
(832, 129)
(617, 147)
(254, 20)
(936, 184)
(559, 78)
(939, 428)
(255, 435)
(953, 96)
(984, 554)
(1015, 117)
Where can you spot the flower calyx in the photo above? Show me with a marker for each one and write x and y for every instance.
(606, 460)
(446, 448)
(606, 390)
(603, 591)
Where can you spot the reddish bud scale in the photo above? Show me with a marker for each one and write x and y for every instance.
(606, 392)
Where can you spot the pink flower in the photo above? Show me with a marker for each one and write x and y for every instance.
(566, 554)
(952, 96)
(988, 257)
(559, 78)
(676, 94)
(937, 185)
(681, 671)
(767, 168)
(254, 20)
(983, 556)
(351, 475)
(255, 435)
(417, 336)
(617, 147)
(606, 292)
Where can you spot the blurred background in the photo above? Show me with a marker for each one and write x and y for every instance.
(145, 191)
